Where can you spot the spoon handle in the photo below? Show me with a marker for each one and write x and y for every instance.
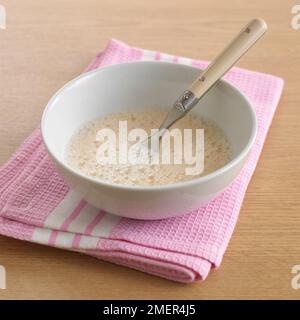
(223, 62)
(229, 56)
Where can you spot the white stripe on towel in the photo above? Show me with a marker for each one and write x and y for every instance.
(64, 240)
(86, 216)
(63, 210)
(41, 235)
(166, 57)
(103, 228)
(148, 55)
(88, 242)
(186, 61)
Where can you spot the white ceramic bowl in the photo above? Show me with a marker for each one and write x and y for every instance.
(138, 85)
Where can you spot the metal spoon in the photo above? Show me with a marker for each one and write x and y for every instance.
(247, 37)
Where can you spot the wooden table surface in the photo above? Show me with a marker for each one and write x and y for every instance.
(46, 43)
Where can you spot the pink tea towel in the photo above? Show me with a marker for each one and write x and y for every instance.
(36, 204)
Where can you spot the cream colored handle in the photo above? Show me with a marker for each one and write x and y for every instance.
(230, 55)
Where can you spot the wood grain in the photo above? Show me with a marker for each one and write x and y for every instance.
(47, 43)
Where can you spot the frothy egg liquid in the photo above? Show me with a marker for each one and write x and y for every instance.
(82, 149)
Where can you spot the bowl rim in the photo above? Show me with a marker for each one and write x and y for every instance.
(233, 162)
